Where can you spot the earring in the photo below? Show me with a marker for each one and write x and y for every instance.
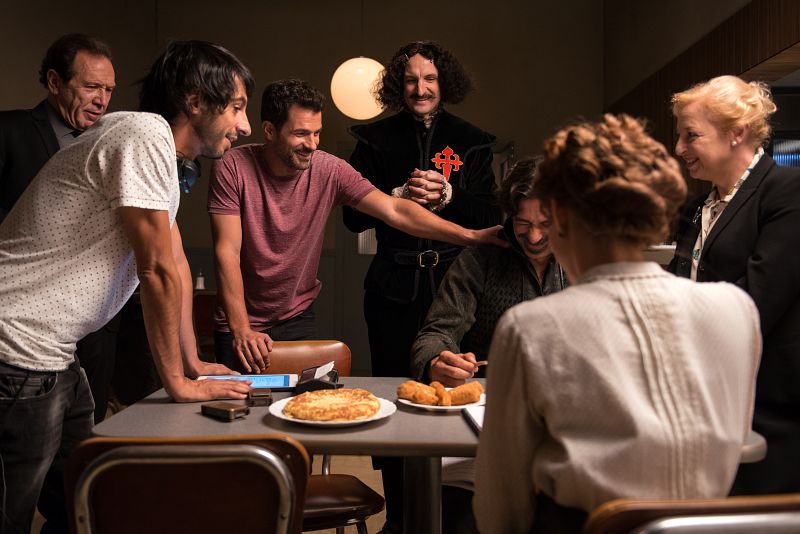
(734, 142)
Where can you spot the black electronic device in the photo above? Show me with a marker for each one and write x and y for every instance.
(309, 381)
(259, 397)
(188, 172)
(225, 411)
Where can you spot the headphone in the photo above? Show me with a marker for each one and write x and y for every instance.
(188, 172)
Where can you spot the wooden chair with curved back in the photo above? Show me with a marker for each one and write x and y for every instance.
(193, 484)
(294, 356)
(332, 501)
(769, 514)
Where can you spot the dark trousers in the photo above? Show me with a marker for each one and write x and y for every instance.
(392, 328)
(779, 471)
(135, 373)
(553, 518)
(302, 326)
(457, 514)
(97, 353)
(43, 416)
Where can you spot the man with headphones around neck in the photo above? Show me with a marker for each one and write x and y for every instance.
(97, 221)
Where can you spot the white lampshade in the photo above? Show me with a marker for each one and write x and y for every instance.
(351, 88)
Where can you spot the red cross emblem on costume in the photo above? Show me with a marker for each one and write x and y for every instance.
(447, 164)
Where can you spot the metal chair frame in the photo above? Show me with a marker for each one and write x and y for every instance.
(189, 455)
(765, 514)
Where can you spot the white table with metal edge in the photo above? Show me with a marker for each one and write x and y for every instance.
(421, 437)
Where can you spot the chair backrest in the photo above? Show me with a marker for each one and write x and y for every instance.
(193, 484)
(294, 356)
(763, 514)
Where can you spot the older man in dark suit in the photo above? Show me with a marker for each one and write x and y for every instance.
(79, 78)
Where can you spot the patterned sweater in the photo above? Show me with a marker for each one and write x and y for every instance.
(482, 283)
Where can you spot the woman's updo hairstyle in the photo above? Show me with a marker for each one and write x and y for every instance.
(620, 181)
(731, 102)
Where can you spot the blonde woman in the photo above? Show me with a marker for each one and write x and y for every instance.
(630, 383)
(747, 231)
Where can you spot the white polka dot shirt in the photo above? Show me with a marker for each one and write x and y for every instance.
(66, 266)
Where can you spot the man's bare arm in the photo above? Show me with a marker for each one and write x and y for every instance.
(252, 347)
(161, 292)
(193, 366)
(413, 219)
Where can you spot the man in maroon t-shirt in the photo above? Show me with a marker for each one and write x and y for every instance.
(269, 204)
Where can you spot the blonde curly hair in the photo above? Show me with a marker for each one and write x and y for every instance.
(620, 181)
(732, 103)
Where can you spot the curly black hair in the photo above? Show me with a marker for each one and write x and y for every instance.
(279, 96)
(454, 81)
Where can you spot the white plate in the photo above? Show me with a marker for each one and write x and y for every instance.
(387, 408)
(432, 408)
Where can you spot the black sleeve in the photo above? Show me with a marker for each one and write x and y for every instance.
(474, 205)
(773, 267)
(363, 160)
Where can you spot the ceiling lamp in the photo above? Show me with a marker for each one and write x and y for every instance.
(352, 85)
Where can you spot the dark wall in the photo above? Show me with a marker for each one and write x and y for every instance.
(537, 63)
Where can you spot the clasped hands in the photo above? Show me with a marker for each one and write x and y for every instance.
(253, 349)
(426, 187)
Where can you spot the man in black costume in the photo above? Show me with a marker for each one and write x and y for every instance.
(440, 161)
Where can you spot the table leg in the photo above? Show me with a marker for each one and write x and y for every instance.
(422, 487)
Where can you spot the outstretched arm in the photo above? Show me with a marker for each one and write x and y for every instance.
(413, 219)
(161, 292)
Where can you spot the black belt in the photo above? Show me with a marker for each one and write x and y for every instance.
(424, 259)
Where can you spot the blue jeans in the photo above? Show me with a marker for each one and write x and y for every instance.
(43, 416)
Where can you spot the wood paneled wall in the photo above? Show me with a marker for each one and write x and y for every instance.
(761, 41)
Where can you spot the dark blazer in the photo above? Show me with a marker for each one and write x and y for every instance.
(27, 141)
(387, 151)
(755, 244)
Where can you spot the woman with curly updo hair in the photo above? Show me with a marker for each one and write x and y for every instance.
(747, 231)
(622, 385)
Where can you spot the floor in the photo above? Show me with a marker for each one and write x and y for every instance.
(360, 466)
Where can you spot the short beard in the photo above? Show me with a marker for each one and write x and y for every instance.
(292, 163)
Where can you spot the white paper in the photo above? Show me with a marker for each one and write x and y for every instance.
(474, 415)
(323, 370)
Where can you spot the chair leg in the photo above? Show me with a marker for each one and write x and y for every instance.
(339, 530)
(362, 527)
(326, 466)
